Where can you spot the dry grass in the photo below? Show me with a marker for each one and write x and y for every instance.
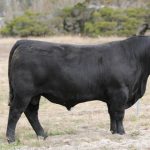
(86, 127)
(65, 39)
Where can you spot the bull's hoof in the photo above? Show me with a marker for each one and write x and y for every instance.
(113, 132)
(10, 140)
(121, 132)
(42, 137)
(118, 132)
(45, 136)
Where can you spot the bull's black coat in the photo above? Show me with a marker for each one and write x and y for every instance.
(115, 73)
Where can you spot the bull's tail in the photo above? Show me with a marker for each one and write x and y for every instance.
(9, 73)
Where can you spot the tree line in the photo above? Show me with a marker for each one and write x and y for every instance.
(91, 18)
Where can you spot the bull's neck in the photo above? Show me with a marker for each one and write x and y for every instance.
(141, 50)
(147, 60)
(146, 54)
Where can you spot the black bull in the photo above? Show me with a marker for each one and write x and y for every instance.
(115, 73)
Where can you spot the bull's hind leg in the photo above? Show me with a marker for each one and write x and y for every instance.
(116, 109)
(17, 107)
(31, 113)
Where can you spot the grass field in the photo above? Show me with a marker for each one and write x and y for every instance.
(86, 127)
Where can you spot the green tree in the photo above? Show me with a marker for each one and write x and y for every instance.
(28, 24)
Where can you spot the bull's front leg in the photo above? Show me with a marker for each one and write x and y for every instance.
(116, 122)
(116, 109)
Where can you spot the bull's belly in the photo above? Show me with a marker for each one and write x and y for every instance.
(70, 100)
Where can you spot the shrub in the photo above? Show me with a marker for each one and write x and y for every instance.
(109, 21)
(106, 21)
(28, 24)
(79, 19)
(66, 11)
(129, 27)
(103, 28)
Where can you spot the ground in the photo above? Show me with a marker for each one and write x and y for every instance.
(85, 127)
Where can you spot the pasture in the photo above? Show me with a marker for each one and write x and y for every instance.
(85, 127)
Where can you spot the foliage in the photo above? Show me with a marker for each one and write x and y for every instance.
(103, 28)
(129, 27)
(66, 11)
(109, 21)
(104, 21)
(79, 19)
(28, 24)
